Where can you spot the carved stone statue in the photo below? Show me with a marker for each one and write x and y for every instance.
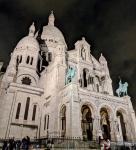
(122, 89)
(83, 53)
(103, 118)
(70, 74)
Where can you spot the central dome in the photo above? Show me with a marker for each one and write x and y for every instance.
(51, 33)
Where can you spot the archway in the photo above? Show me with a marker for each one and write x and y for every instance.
(87, 123)
(63, 121)
(85, 77)
(121, 126)
(105, 123)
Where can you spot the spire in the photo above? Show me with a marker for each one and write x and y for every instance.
(32, 30)
(83, 38)
(51, 19)
(102, 59)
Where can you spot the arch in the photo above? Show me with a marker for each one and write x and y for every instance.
(105, 114)
(85, 78)
(121, 123)
(46, 122)
(17, 59)
(97, 83)
(87, 122)
(108, 108)
(91, 106)
(27, 60)
(27, 108)
(34, 112)
(63, 120)
(31, 61)
(18, 110)
(20, 59)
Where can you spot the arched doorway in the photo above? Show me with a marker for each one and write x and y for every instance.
(105, 123)
(121, 126)
(63, 120)
(87, 123)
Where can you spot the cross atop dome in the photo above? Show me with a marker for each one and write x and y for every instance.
(32, 30)
(51, 19)
(102, 59)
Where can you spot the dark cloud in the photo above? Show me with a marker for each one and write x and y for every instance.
(109, 26)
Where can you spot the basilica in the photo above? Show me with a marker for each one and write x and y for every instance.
(49, 90)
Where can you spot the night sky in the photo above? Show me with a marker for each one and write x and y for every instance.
(108, 25)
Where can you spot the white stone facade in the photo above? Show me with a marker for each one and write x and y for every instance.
(36, 100)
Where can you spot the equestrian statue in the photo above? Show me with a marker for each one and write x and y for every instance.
(122, 89)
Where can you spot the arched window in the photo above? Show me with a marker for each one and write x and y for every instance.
(31, 61)
(17, 60)
(121, 125)
(18, 110)
(26, 80)
(85, 77)
(27, 60)
(34, 112)
(27, 108)
(46, 122)
(20, 59)
(63, 118)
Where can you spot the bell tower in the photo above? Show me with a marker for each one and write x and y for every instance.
(56, 50)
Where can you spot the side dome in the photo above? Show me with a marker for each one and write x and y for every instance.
(51, 33)
(28, 42)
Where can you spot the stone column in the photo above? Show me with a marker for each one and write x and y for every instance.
(131, 120)
(120, 129)
(112, 129)
(75, 112)
(96, 128)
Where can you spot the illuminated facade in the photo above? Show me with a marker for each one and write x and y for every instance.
(48, 90)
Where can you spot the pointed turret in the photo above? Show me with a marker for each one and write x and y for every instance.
(106, 80)
(32, 30)
(102, 59)
(51, 19)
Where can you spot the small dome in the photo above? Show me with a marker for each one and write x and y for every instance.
(102, 59)
(52, 33)
(28, 42)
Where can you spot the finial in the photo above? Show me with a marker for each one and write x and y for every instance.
(51, 19)
(83, 38)
(102, 58)
(32, 30)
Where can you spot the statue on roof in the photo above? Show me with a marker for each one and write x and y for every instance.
(122, 89)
